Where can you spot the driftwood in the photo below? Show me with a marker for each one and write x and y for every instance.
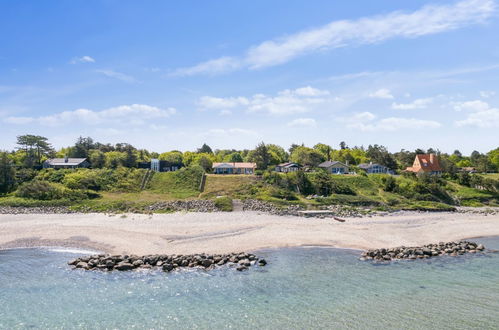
(339, 219)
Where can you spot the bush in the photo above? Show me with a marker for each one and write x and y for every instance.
(224, 204)
(41, 190)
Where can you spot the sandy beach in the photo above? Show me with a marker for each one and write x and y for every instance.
(237, 231)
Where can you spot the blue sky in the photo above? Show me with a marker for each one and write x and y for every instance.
(174, 74)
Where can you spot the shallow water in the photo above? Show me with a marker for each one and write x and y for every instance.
(300, 288)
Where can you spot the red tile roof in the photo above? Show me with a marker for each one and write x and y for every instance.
(425, 163)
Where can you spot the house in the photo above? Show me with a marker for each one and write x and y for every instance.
(234, 168)
(425, 163)
(160, 165)
(375, 168)
(66, 163)
(287, 167)
(467, 169)
(334, 167)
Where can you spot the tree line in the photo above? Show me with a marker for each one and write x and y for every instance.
(32, 150)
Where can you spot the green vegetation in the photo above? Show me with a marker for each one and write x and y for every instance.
(180, 184)
(224, 204)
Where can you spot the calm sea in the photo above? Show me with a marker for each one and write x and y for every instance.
(301, 288)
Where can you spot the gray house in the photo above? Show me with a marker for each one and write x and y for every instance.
(66, 163)
(334, 167)
(375, 168)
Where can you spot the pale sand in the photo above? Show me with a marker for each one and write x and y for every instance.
(233, 232)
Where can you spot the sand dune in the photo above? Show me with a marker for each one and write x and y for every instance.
(237, 231)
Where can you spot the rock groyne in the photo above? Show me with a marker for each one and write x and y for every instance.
(422, 252)
(105, 262)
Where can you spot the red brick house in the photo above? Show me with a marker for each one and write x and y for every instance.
(426, 163)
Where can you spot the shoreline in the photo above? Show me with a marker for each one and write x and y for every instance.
(186, 233)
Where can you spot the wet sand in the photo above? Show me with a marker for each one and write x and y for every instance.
(237, 231)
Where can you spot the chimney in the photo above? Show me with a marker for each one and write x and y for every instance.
(66, 159)
(432, 158)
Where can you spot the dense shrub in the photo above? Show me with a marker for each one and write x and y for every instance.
(41, 190)
(224, 204)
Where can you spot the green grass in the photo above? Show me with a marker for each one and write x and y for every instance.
(180, 184)
(227, 185)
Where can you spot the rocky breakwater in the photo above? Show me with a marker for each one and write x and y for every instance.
(422, 252)
(105, 262)
(35, 210)
(266, 207)
(195, 205)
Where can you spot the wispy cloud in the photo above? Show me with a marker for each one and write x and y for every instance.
(383, 93)
(430, 19)
(368, 122)
(481, 114)
(303, 122)
(117, 75)
(83, 59)
(285, 102)
(416, 104)
(135, 114)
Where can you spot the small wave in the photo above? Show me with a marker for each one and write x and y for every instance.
(72, 250)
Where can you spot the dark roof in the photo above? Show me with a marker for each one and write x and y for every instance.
(65, 161)
(330, 163)
(289, 165)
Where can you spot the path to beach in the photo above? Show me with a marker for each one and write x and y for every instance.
(238, 231)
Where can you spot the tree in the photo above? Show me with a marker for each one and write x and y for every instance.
(380, 155)
(307, 156)
(205, 149)
(343, 145)
(277, 154)
(7, 173)
(234, 157)
(35, 147)
(324, 149)
(172, 156)
(82, 147)
(97, 158)
(130, 157)
(260, 156)
(115, 159)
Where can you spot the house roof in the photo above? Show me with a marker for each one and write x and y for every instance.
(428, 162)
(235, 165)
(289, 165)
(330, 163)
(63, 162)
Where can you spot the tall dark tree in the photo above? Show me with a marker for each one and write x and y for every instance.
(260, 156)
(131, 157)
(7, 173)
(380, 155)
(205, 149)
(82, 147)
(35, 147)
(343, 145)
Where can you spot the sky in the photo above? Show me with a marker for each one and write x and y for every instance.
(166, 75)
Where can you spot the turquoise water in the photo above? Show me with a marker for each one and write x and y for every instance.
(301, 288)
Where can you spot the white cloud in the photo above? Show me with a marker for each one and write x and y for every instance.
(217, 66)
(416, 104)
(487, 94)
(285, 102)
(225, 112)
(303, 122)
(210, 102)
(366, 122)
(482, 114)
(343, 33)
(117, 75)
(83, 59)
(476, 105)
(135, 114)
(288, 101)
(382, 93)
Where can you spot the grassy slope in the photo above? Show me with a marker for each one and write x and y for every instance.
(226, 185)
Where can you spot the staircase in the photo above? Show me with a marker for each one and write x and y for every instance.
(145, 180)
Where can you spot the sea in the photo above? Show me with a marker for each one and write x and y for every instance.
(300, 288)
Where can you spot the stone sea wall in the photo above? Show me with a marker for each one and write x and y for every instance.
(105, 262)
(422, 252)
